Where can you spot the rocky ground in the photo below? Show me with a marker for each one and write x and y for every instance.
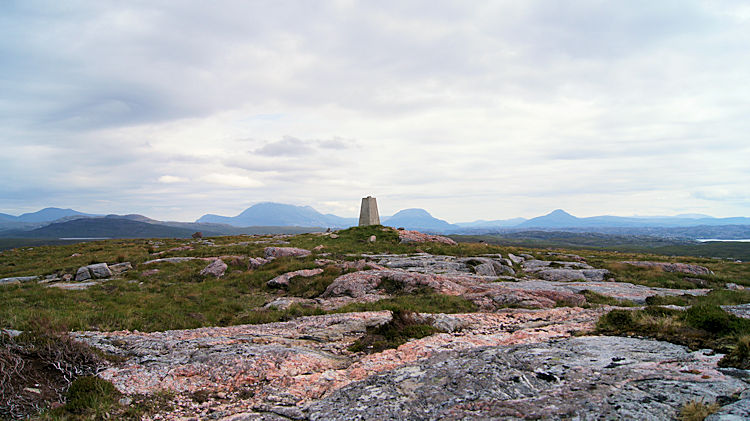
(527, 354)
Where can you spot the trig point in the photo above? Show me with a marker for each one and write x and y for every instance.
(368, 214)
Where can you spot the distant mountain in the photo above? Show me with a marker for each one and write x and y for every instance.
(278, 214)
(49, 215)
(418, 219)
(554, 219)
(6, 217)
(103, 228)
(498, 223)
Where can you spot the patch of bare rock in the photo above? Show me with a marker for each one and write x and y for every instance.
(287, 365)
(283, 280)
(673, 267)
(574, 378)
(564, 270)
(406, 236)
(274, 252)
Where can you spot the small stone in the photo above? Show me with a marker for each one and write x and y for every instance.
(125, 401)
(372, 239)
(334, 236)
(734, 287)
(32, 390)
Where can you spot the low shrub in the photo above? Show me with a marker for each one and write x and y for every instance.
(402, 327)
(696, 410)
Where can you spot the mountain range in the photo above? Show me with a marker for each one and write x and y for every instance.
(269, 217)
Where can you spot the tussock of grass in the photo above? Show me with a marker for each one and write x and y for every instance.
(393, 334)
(697, 410)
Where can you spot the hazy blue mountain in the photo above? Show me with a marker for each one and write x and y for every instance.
(103, 228)
(6, 217)
(279, 214)
(417, 219)
(498, 223)
(556, 218)
(49, 215)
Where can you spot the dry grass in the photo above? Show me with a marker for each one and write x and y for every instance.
(697, 410)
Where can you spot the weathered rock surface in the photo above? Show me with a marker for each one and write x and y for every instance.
(736, 411)
(286, 365)
(564, 271)
(215, 268)
(172, 260)
(407, 236)
(283, 280)
(256, 262)
(673, 267)
(436, 264)
(619, 290)
(17, 280)
(576, 378)
(487, 295)
(119, 268)
(285, 252)
(739, 310)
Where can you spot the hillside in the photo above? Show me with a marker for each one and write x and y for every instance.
(102, 228)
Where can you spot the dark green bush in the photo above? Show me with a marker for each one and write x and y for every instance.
(90, 393)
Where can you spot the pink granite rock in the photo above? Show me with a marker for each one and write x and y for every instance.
(285, 252)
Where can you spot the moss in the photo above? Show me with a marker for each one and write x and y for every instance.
(90, 394)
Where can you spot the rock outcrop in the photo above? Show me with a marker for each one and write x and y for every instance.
(673, 267)
(577, 378)
(283, 280)
(564, 271)
(407, 236)
(285, 252)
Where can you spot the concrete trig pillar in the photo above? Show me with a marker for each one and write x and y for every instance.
(368, 213)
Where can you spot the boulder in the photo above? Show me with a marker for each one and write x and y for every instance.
(372, 239)
(100, 271)
(515, 259)
(120, 268)
(256, 262)
(285, 252)
(283, 280)
(83, 274)
(215, 268)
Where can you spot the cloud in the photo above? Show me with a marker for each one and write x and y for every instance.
(231, 180)
(485, 110)
(169, 179)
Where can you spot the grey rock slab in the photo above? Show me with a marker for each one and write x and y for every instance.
(18, 279)
(170, 260)
(739, 310)
(283, 279)
(73, 286)
(619, 290)
(737, 411)
(285, 252)
(585, 378)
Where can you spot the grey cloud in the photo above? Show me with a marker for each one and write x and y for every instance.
(288, 146)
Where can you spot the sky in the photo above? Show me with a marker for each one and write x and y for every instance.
(471, 110)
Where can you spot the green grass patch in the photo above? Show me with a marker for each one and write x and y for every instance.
(402, 327)
(700, 326)
(599, 299)
(420, 303)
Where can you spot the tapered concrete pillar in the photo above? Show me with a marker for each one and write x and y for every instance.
(368, 213)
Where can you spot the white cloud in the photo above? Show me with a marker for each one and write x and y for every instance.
(470, 110)
(231, 180)
(169, 179)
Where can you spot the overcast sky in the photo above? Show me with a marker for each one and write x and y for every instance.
(471, 110)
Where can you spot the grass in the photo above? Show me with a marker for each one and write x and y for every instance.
(402, 327)
(696, 410)
(598, 299)
(700, 326)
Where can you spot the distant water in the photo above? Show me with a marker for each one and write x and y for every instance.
(706, 240)
(88, 238)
